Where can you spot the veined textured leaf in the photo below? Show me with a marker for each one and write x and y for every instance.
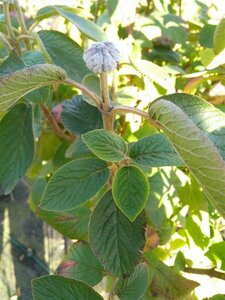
(154, 151)
(205, 116)
(80, 263)
(78, 149)
(197, 151)
(65, 53)
(130, 191)
(14, 86)
(114, 239)
(134, 287)
(106, 145)
(80, 117)
(166, 283)
(75, 183)
(90, 29)
(16, 146)
(61, 288)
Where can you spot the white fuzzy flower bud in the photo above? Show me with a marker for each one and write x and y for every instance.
(101, 57)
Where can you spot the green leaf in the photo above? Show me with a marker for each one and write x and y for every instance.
(80, 117)
(134, 287)
(206, 35)
(130, 190)
(166, 283)
(154, 151)
(72, 224)
(210, 60)
(80, 263)
(78, 149)
(219, 37)
(198, 152)
(15, 85)
(114, 239)
(106, 145)
(75, 183)
(17, 145)
(65, 53)
(61, 288)
(44, 94)
(90, 29)
(205, 116)
(216, 254)
(92, 82)
(11, 64)
(49, 11)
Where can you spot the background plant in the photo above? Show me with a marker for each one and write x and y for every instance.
(163, 197)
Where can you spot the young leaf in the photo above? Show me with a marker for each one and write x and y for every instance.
(65, 53)
(106, 145)
(61, 288)
(218, 37)
(17, 145)
(197, 151)
(15, 85)
(154, 151)
(75, 183)
(114, 239)
(130, 191)
(205, 116)
(80, 263)
(80, 117)
(90, 29)
(166, 283)
(134, 287)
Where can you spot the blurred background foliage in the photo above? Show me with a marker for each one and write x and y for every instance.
(166, 46)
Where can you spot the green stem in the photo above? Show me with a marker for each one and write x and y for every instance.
(106, 105)
(85, 91)
(209, 272)
(22, 24)
(44, 51)
(5, 43)
(124, 109)
(9, 27)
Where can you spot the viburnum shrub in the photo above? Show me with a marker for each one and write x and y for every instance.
(131, 192)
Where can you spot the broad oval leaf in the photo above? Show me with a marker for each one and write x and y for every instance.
(130, 190)
(80, 263)
(219, 37)
(17, 145)
(65, 53)
(165, 282)
(80, 117)
(134, 287)
(106, 145)
(90, 29)
(75, 183)
(205, 116)
(198, 152)
(154, 151)
(78, 149)
(72, 224)
(15, 85)
(61, 288)
(114, 239)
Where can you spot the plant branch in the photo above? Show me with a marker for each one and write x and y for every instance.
(22, 24)
(9, 26)
(85, 91)
(209, 272)
(124, 109)
(106, 105)
(55, 125)
(5, 43)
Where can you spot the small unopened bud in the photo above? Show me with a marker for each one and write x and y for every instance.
(101, 57)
